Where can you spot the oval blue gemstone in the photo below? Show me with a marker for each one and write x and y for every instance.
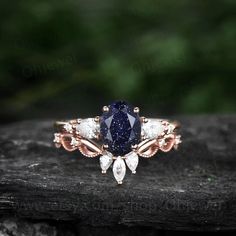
(120, 128)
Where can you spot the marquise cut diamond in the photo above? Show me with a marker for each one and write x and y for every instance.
(119, 136)
(132, 161)
(105, 161)
(119, 169)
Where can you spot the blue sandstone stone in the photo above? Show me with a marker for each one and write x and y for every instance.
(120, 128)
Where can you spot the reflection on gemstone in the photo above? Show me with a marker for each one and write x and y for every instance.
(105, 161)
(119, 169)
(88, 128)
(131, 160)
(152, 129)
(120, 128)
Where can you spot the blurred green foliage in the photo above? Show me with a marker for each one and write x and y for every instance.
(61, 57)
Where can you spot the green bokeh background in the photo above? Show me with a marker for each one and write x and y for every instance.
(68, 58)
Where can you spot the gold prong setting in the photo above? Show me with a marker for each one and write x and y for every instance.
(105, 146)
(97, 119)
(84, 135)
(136, 110)
(105, 109)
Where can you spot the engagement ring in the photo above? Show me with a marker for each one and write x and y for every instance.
(119, 136)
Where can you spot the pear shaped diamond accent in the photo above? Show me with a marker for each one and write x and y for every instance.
(88, 128)
(132, 161)
(119, 169)
(105, 161)
(152, 129)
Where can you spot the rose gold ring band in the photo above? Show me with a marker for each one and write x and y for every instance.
(120, 136)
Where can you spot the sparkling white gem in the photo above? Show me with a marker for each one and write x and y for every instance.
(152, 129)
(88, 128)
(119, 167)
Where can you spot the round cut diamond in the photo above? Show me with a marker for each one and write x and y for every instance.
(68, 127)
(56, 138)
(74, 142)
(120, 128)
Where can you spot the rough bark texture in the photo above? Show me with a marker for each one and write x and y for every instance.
(191, 189)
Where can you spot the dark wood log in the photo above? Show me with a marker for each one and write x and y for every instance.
(191, 189)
